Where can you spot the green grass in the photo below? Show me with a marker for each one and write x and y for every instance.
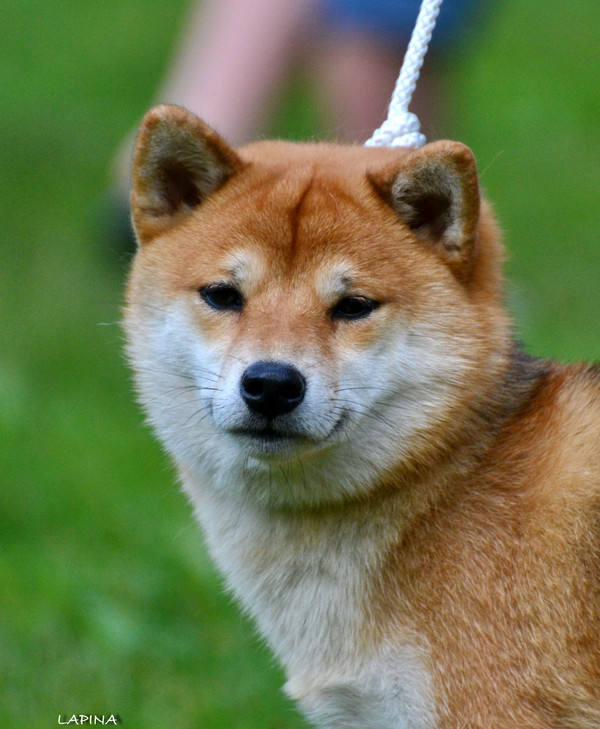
(109, 603)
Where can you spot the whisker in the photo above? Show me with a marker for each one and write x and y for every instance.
(365, 413)
(359, 387)
(177, 373)
(285, 477)
(203, 370)
(303, 473)
(239, 359)
(205, 410)
(164, 372)
(383, 403)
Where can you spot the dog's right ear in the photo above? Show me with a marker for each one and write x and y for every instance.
(178, 161)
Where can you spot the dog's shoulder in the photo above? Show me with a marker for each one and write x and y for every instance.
(551, 441)
(570, 418)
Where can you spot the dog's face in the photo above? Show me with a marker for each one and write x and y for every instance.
(297, 310)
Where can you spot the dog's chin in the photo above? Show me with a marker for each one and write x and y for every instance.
(282, 440)
(271, 444)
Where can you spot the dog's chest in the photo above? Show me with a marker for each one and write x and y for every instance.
(306, 584)
(391, 692)
(309, 586)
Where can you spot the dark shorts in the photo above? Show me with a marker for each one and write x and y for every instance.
(392, 21)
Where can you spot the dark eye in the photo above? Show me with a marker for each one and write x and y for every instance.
(222, 296)
(354, 307)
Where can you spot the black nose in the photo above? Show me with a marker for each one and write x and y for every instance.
(272, 388)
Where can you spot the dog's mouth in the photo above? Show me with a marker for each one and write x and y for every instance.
(268, 434)
(280, 438)
(272, 440)
(269, 442)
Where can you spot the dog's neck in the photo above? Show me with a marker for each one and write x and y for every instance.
(305, 575)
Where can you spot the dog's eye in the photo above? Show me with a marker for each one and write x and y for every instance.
(222, 296)
(354, 307)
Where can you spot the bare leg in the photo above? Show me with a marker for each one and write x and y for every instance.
(228, 66)
(232, 59)
(358, 76)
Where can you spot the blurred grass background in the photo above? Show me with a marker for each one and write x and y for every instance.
(109, 604)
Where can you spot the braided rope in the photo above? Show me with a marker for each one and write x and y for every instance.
(401, 128)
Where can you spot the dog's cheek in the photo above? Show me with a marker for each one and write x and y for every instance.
(363, 371)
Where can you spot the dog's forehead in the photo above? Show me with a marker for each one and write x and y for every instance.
(302, 185)
(310, 230)
(251, 268)
(309, 211)
(331, 181)
(310, 219)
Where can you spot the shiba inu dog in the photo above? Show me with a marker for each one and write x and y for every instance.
(407, 504)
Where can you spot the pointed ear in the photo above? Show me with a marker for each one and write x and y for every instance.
(178, 161)
(435, 191)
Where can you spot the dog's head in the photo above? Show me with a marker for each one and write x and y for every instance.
(304, 318)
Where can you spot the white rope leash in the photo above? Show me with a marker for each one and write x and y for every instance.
(401, 128)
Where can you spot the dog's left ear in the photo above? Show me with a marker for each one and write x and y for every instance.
(435, 192)
(178, 162)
